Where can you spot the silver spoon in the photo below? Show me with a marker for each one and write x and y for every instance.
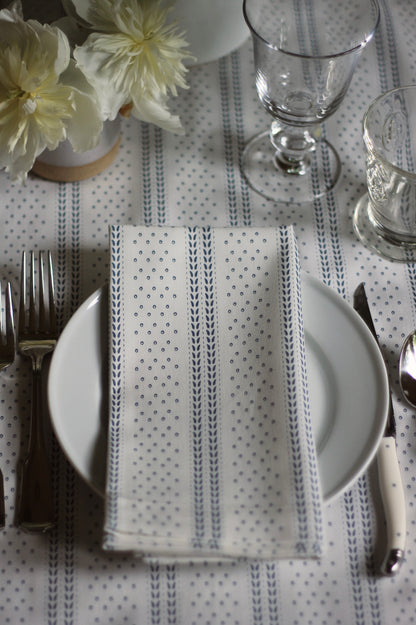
(407, 368)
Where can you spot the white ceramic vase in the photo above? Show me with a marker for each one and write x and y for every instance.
(65, 165)
(213, 28)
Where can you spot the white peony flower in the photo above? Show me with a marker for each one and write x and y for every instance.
(44, 97)
(133, 59)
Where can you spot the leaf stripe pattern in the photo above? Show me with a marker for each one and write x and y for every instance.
(160, 177)
(116, 360)
(162, 598)
(290, 285)
(387, 54)
(171, 599)
(228, 143)
(310, 439)
(211, 357)
(371, 565)
(272, 586)
(319, 212)
(196, 386)
(329, 198)
(256, 594)
(75, 246)
(155, 591)
(241, 140)
(353, 557)
(146, 176)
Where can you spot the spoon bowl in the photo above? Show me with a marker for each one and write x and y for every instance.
(407, 368)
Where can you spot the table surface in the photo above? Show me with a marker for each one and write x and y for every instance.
(157, 178)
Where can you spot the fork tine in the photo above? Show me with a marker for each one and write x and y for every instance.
(7, 334)
(47, 313)
(52, 307)
(10, 334)
(23, 296)
(2, 316)
(32, 294)
(42, 309)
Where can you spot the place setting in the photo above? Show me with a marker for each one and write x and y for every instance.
(150, 395)
(207, 312)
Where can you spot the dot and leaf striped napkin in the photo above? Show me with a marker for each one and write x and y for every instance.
(210, 444)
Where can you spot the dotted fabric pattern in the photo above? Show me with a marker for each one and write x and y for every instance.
(65, 577)
(208, 436)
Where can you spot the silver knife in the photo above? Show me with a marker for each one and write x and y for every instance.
(390, 482)
(2, 504)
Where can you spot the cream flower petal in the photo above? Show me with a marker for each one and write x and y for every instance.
(53, 42)
(136, 51)
(8, 131)
(74, 77)
(20, 160)
(98, 13)
(155, 112)
(18, 168)
(72, 29)
(11, 31)
(72, 13)
(37, 37)
(102, 74)
(84, 128)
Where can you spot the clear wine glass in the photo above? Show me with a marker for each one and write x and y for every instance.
(305, 53)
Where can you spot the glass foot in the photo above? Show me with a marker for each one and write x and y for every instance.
(366, 230)
(264, 176)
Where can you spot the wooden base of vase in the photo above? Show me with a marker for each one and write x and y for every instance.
(59, 173)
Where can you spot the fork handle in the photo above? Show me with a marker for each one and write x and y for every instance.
(35, 500)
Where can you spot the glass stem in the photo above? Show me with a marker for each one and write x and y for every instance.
(293, 147)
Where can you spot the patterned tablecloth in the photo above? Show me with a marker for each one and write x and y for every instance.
(157, 178)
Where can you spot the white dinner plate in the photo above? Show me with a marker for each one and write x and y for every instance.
(347, 380)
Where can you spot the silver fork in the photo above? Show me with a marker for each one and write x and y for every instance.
(7, 353)
(37, 337)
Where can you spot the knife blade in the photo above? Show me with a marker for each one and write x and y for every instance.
(390, 482)
(2, 505)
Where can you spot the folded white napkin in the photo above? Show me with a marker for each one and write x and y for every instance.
(210, 446)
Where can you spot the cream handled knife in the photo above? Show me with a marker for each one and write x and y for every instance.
(390, 481)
